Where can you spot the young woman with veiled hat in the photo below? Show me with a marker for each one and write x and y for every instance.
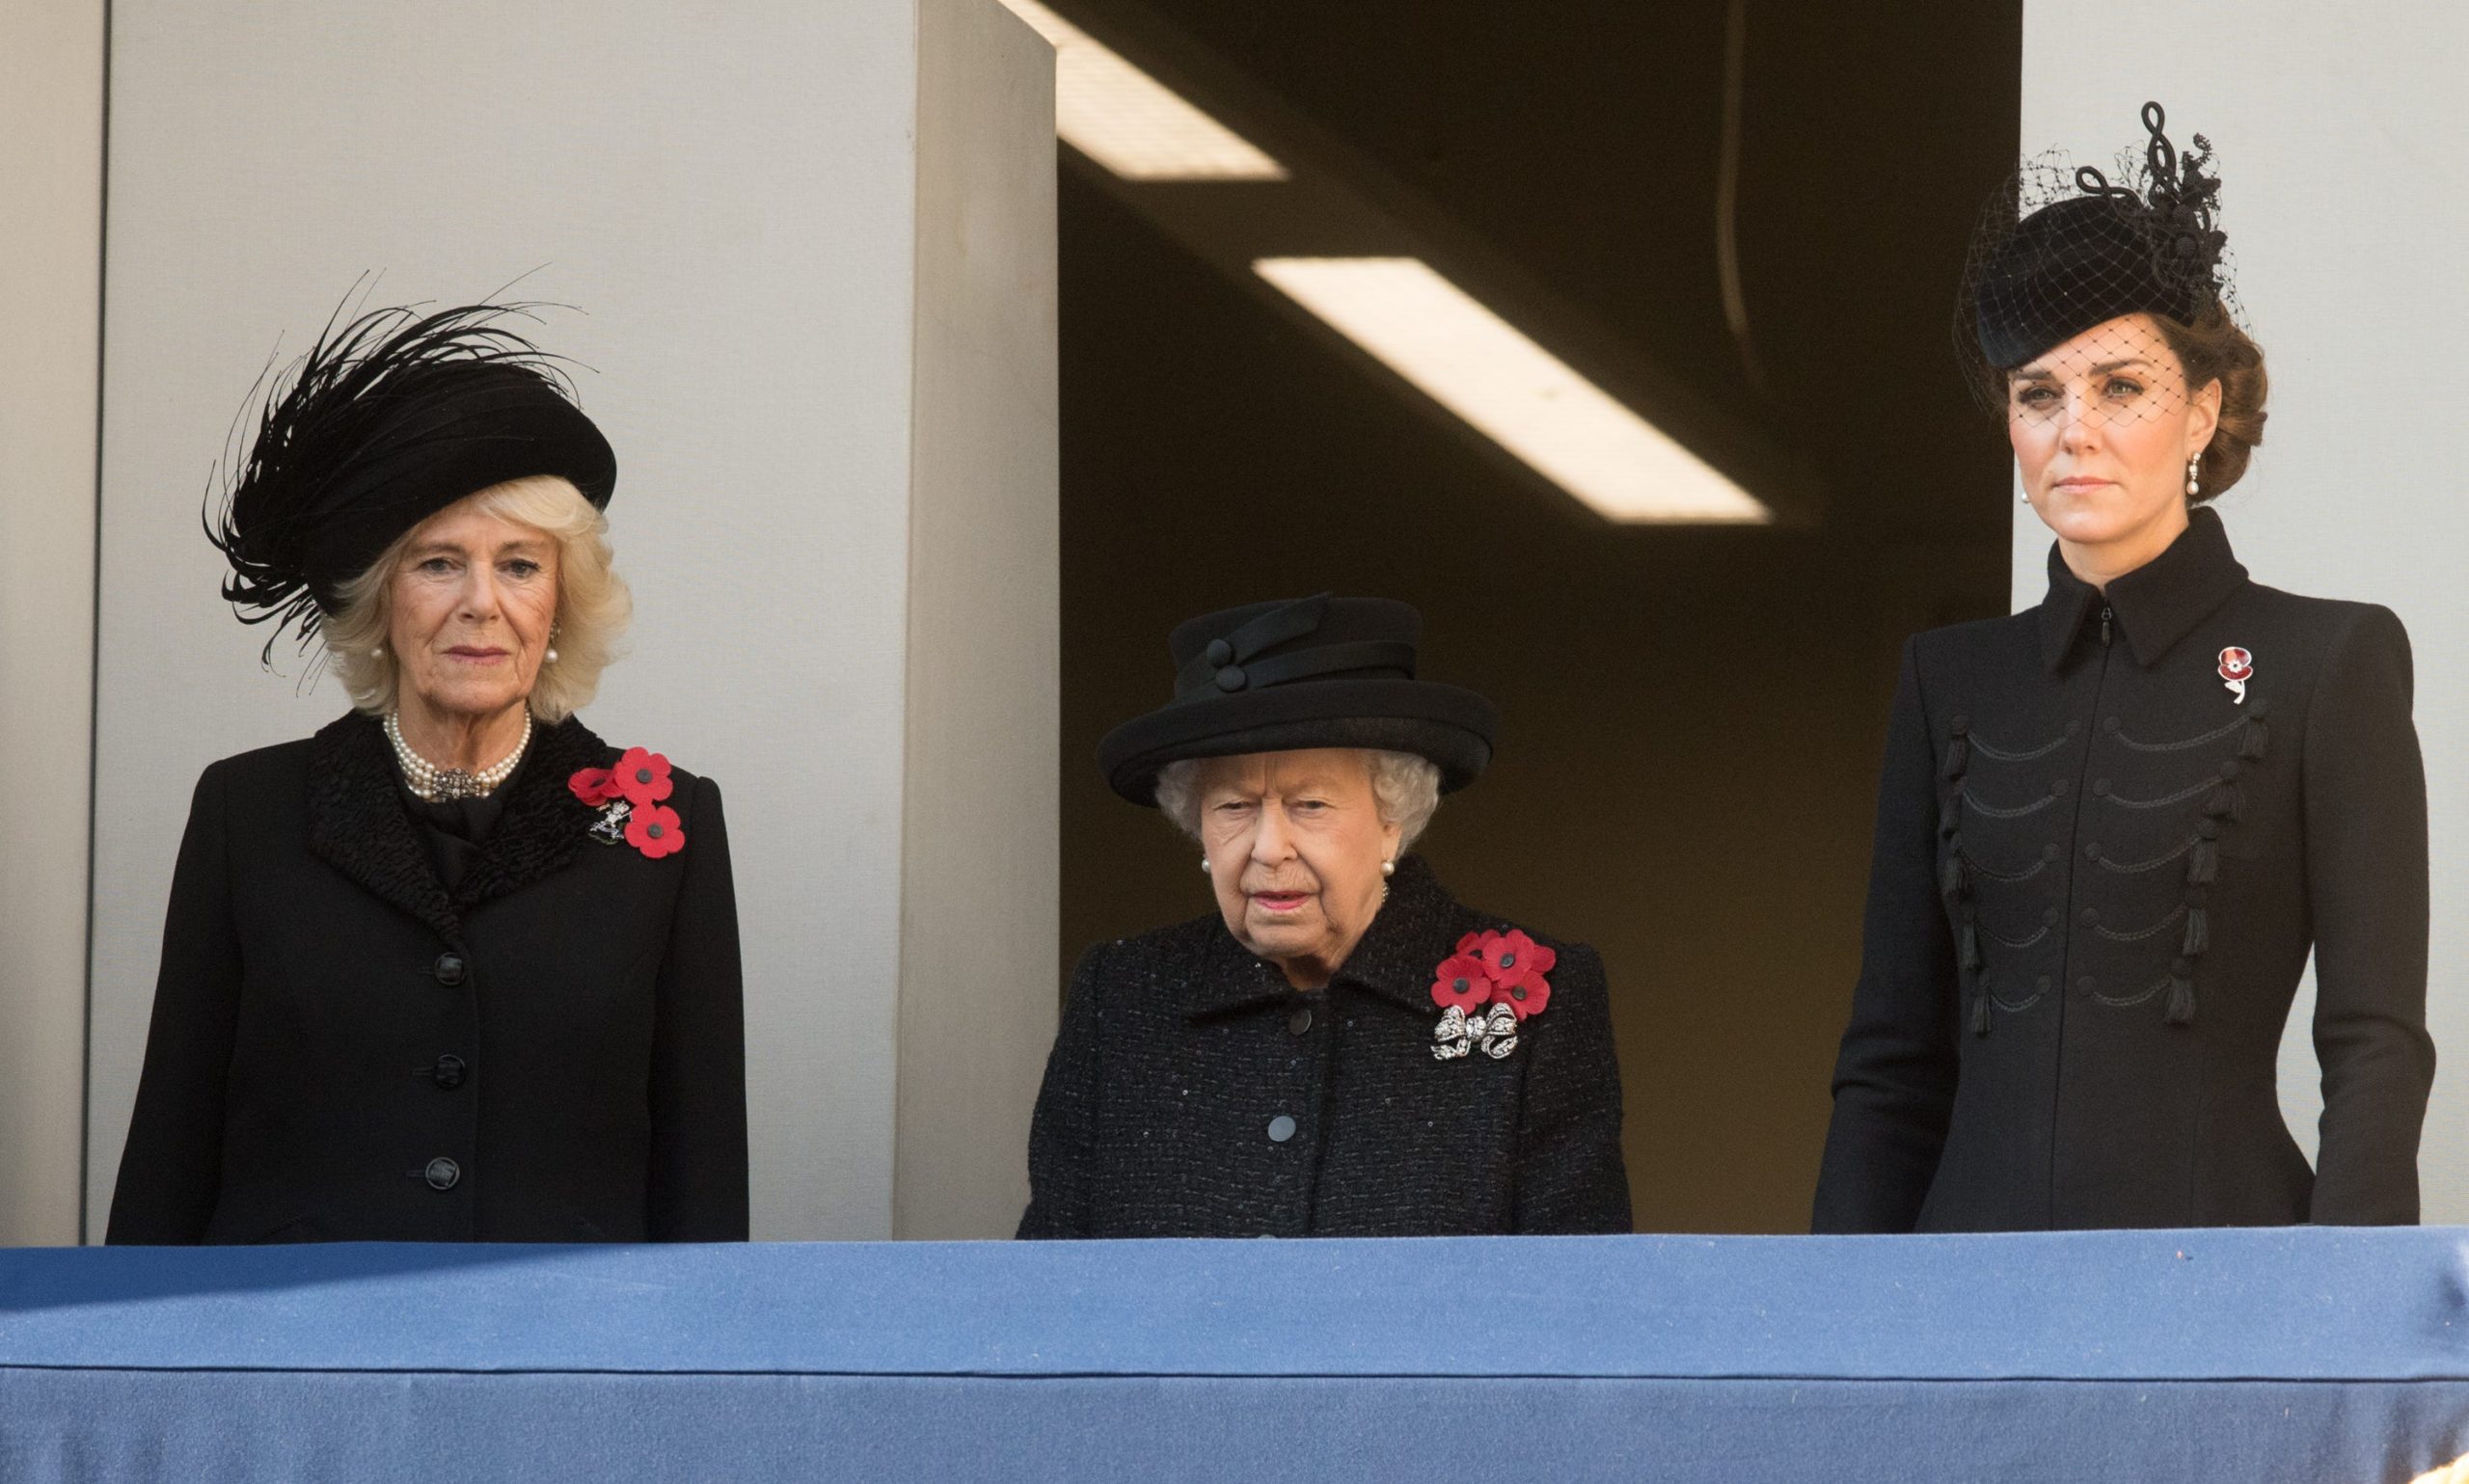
(2112, 827)
(1339, 1048)
(453, 968)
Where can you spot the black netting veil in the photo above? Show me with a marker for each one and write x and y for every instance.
(2061, 250)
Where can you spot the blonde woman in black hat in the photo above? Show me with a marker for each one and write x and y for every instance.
(2112, 827)
(452, 969)
(1338, 1047)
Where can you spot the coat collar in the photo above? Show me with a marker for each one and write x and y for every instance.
(2155, 605)
(358, 824)
(1412, 932)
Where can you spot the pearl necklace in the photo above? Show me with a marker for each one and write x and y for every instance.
(432, 782)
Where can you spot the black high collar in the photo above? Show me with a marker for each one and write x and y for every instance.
(1415, 928)
(2155, 605)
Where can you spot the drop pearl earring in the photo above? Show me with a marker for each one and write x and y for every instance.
(2194, 486)
(1388, 868)
(1203, 865)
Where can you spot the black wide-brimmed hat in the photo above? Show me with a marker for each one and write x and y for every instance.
(2055, 258)
(1309, 672)
(386, 420)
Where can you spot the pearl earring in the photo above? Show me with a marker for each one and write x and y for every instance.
(379, 653)
(552, 655)
(1203, 865)
(2194, 486)
(1388, 868)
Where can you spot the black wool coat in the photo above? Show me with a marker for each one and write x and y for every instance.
(2099, 866)
(1183, 1059)
(343, 1049)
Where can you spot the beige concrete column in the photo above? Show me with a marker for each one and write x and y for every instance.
(51, 230)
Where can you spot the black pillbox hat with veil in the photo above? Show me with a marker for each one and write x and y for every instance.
(1309, 672)
(2055, 255)
(386, 420)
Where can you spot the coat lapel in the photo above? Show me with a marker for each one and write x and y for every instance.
(544, 823)
(357, 824)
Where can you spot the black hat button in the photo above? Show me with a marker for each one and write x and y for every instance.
(448, 969)
(1220, 653)
(1230, 677)
(441, 1174)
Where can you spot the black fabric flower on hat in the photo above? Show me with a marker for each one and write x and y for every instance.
(386, 420)
(2051, 260)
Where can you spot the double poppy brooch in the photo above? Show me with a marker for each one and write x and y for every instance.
(1504, 970)
(628, 796)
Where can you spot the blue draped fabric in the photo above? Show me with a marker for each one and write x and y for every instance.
(2315, 1355)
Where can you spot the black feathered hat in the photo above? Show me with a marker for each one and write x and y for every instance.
(386, 420)
(2044, 270)
(1310, 672)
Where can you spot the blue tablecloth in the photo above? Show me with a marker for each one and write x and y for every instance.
(2314, 1355)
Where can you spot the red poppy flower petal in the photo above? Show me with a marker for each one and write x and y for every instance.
(655, 831)
(1529, 996)
(1542, 958)
(642, 777)
(590, 785)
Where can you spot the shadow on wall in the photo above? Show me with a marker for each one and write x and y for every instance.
(1692, 717)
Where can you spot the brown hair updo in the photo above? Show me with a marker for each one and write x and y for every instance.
(2212, 348)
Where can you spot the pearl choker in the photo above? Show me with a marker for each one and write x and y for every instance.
(432, 782)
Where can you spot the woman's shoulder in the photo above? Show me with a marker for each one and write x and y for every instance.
(572, 750)
(1976, 638)
(2334, 623)
(1159, 951)
(282, 765)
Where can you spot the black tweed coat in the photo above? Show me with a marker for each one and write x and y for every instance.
(2099, 866)
(343, 1049)
(1183, 1056)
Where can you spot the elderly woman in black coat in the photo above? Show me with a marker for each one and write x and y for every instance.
(1339, 1048)
(452, 969)
(2111, 827)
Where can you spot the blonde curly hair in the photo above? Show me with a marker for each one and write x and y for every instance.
(593, 602)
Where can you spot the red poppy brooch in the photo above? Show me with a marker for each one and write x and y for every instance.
(1504, 970)
(628, 796)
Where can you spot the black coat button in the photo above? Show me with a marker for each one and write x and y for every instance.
(448, 969)
(448, 1071)
(441, 1174)
(1299, 1022)
(1281, 1129)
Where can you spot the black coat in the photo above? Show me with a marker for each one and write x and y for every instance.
(1180, 1050)
(2096, 878)
(343, 1049)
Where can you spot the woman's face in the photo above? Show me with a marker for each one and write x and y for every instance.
(1295, 843)
(2103, 426)
(473, 600)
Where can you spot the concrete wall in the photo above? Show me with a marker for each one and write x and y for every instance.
(817, 328)
(2345, 198)
(51, 158)
(979, 876)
